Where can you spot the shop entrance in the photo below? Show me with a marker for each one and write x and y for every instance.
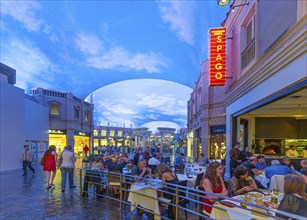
(80, 142)
(59, 140)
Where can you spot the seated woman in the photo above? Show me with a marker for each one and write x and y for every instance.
(240, 182)
(97, 164)
(168, 176)
(295, 199)
(213, 182)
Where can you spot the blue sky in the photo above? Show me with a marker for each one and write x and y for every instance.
(82, 46)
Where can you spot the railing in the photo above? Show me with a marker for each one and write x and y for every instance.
(191, 195)
(248, 54)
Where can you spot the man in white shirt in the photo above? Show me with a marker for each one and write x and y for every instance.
(153, 160)
(26, 159)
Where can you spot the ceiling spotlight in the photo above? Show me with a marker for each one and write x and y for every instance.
(223, 2)
(235, 6)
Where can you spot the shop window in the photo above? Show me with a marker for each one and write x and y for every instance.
(95, 132)
(77, 112)
(103, 133)
(120, 134)
(86, 116)
(54, 109)
(112, 133)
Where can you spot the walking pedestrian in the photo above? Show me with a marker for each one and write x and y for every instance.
(67, 167)
(50, 165)
(26, 159)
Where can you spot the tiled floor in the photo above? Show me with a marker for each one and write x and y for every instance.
(27, 198)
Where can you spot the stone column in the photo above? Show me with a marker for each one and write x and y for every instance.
(70, 139)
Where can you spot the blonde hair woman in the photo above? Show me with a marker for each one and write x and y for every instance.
(295, 199)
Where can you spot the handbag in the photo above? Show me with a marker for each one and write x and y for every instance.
(41, 159)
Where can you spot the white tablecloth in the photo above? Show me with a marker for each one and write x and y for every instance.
(236, 212)
(263, 180)
(191, 180)
(143, 200)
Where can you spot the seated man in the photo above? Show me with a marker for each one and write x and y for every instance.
(141, 171)
(252, 170)
(277, 169)
(153, 162)
(261, 164)
(250, 164)
(112, 163)
(304, 164)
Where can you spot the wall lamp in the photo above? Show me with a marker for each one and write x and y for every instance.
(223, 2)
(235, 6)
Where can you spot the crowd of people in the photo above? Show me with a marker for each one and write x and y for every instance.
(146, 164)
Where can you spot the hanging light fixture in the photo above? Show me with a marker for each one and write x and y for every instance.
(223, 2)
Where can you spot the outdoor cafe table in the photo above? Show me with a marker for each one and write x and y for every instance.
(226, 212)
(191, 179)
(145, 191)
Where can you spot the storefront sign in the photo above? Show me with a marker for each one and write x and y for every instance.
(55, 131)
(80, 133)
(218, 129)
(217, 56)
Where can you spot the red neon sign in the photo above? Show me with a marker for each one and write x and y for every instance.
(217, 56)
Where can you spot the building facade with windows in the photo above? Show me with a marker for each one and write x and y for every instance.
(206, 118)
(112, 136)
(70, 119)
(266, 90)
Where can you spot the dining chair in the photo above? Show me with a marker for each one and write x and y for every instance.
(182, 193)
(277, 182)
(197, 182)
(115, 182)
(181, 201)
(199, 205)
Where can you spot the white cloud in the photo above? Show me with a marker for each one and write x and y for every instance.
(120, 58)
(152, 126)
(88, 43)
(141, 100)
(23, 12)
(118, 108)
(141, 117)
(179, 14)
(116, 57)
(166, 104)
(33, 68)
(52, 35)
(112, 119)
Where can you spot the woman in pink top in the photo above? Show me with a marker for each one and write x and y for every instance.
(212, 182)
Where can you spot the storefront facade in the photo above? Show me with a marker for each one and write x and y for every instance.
(266, 97)
(205, 111)
(119, 137)
(70, 119)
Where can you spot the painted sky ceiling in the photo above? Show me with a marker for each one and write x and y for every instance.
(139, 59)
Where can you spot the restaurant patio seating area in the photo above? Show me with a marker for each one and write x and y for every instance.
(145, 197)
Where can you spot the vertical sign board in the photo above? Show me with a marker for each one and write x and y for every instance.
(217, 56)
